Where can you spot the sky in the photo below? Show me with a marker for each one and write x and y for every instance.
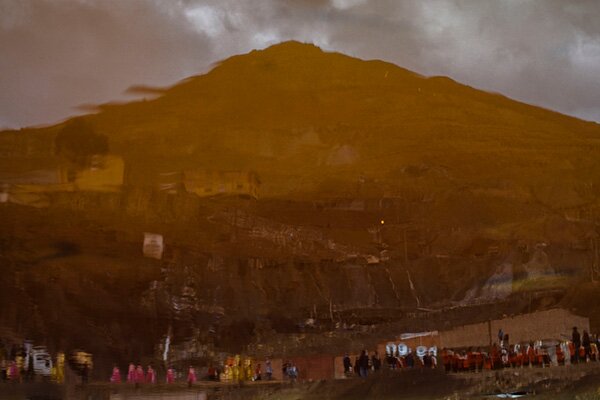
(56, 56)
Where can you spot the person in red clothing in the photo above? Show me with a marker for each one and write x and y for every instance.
(447, 359)
(495, 355)
(572, 352)
(150, 375)
(478, 360)
(139, 375)
(487, 362)
(464, 357)
(560, 356)
(170, 375)
(257, 373)
(116, 375)
(457, 362)
(131, 373)
(531, 355)
(191, 378)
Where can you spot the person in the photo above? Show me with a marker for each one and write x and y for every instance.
(13, 372)
(363, 364)
(433, 359)
(587, 345)
(139, 375)
(150, 374)
(566, 350)
(131, 373)
(347, 365)
(427, 360)
(85, 374)
(211, 373)
(375, 362)
(410, 360)
(257, 373)
(284, 368)
(60, 367)
(170, 375)
(4, 369)
(576, 338)
(116, 375)
(191, 379)
(504, 357)
(30, 376)
(293, 372)
(500, 336)
(269, 370)
(447, 359)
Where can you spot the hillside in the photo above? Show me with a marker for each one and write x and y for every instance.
(381, 191)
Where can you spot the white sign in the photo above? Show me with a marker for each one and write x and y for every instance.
(402, 349)
(153, 245)
(390, 349)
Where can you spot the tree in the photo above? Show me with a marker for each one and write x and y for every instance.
(77, 142)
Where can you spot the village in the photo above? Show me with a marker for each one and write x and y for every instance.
(539, 339)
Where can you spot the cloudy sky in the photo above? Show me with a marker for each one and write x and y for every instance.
(56, 55)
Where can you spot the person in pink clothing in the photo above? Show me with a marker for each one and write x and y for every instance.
(116, 375)
(150, 375)
(13, 371)
(170, 375)
(140, 377)
(191, 376)
(131, 373)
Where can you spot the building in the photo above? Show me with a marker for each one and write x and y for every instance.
(32, 187)
(549, 324)
(104, 174)
(30, 182)
(212, 183)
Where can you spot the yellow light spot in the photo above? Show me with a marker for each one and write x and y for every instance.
(382, 222)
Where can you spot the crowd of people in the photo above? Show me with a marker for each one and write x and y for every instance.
(137, 376)
(362, 365)
(581, 348)
(235, 369)
(502, 354)
(21, 365)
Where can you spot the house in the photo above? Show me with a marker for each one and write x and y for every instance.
(212, 183)
(104, 174)
(30, 182)
(33, 187)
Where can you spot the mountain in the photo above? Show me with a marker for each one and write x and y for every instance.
(312, 122)
(380, 190)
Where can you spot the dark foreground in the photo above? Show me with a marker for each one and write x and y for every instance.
(580, 382)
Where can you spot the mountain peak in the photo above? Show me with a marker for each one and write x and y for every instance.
(293, 45)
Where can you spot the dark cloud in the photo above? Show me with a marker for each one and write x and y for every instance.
(58, 54)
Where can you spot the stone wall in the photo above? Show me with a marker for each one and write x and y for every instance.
(549, 324)
(314, 368)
